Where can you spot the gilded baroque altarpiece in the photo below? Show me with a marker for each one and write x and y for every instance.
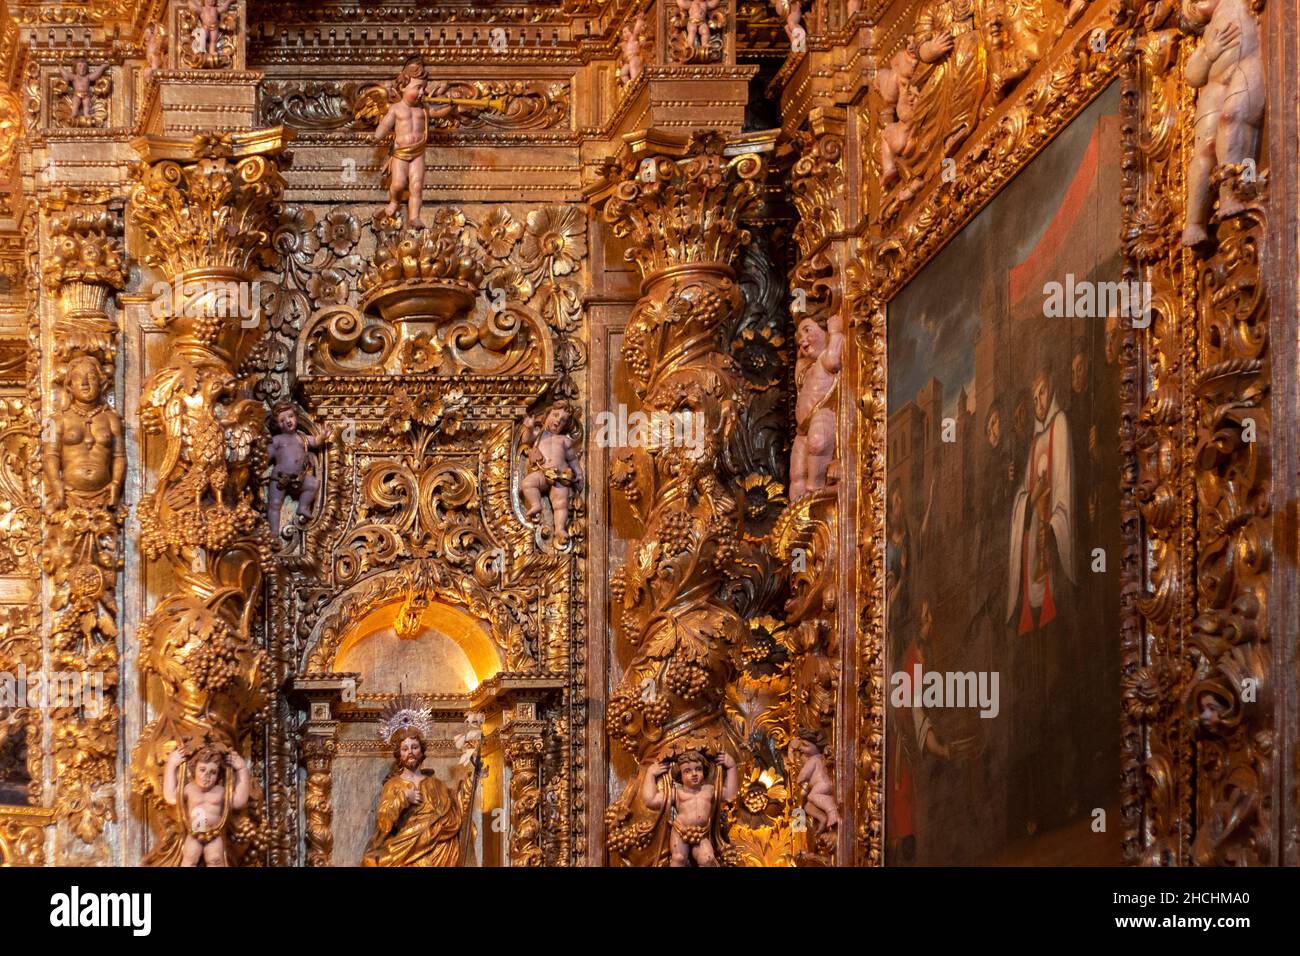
(323, 327)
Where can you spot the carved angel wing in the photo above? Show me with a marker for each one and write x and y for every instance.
(163, 410)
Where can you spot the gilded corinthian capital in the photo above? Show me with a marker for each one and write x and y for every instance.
(679, 199)
(211, 201)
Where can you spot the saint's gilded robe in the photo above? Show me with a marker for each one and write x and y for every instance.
(406, 835)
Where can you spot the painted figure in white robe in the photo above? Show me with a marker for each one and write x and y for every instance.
(1042, 522)
(1043, 778)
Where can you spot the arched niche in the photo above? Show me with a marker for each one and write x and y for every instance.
(446, 652)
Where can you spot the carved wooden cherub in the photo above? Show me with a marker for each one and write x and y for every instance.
(1226, 67)
(291, 466)
(819, 788)
(153, 50)
(816, 373)
(408, 121)
(555, 467)
(85, 457)
(691, 803)
(632, 66)
(794, 27)
(207, 36)
(205, 800)
(82, 80)
(697, 20)
(894, 84)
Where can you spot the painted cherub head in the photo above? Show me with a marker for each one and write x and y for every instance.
(809, 742)
(689, 768)
(557, 418)
(285, 417)
(811, 338)
(207, 767)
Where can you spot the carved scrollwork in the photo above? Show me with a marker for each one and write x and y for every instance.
(1230, 693)
(488, 105)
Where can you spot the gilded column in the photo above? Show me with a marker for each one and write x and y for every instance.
(206, 208)
(682, 593)
(523, 751)
(84, 464)
(319, 748)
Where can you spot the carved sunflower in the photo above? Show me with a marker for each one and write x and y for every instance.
(512, 281)
(762, 493)
(556, 237)
(1144, 690)
(499, 232)
(329, 287)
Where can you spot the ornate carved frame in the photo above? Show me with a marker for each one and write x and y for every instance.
(1195, 495)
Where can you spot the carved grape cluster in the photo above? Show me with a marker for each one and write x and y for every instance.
(214, 663)
(686, 678)
(675, 531)
(655, 710)
(207, 328)
(627, 837)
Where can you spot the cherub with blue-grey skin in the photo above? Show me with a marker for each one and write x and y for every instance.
(291, 461)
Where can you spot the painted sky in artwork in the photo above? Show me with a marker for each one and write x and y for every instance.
(937, 339)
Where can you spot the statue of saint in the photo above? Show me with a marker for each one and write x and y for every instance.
(419, 822)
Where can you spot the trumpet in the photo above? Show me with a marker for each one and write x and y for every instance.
(495, 103)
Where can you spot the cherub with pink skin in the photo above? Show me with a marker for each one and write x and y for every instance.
(816, 372)
(1227, 69)
(81, 78)
(203, 800)
(555, 467)
(697, 20)
(153, 50)
(819, 799)
(690, 803)
(408, 121)
(794, 28)
(631, 67)
(209, 13)
(894, 84)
